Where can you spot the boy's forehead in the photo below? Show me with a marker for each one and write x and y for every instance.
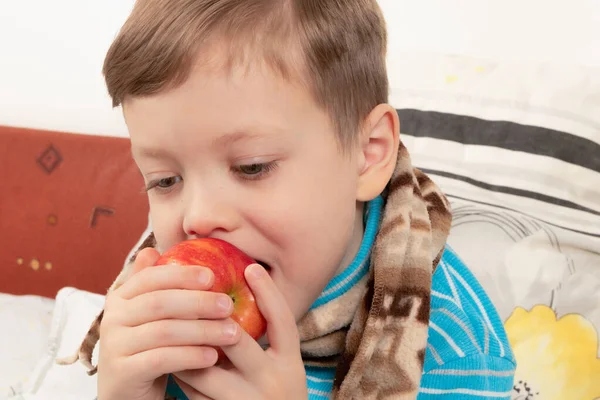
(251, 103)
(247, 101)
(238, 56)
(157, 144)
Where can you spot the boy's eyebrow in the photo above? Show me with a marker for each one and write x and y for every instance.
(222, 141)
(230, 138)
(150, 152)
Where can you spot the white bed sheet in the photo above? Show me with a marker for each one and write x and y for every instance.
(25, 322)
(38, 331)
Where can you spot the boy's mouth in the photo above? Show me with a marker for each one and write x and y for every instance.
(266, 266)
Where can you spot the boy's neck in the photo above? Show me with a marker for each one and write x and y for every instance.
(356, 239)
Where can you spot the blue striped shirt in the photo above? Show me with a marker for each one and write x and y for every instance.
(468, 355)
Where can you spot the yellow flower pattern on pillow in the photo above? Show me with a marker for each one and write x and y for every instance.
(556, 358)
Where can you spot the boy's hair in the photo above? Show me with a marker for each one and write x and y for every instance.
(336, 48)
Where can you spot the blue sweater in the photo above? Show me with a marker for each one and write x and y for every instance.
(468, 355)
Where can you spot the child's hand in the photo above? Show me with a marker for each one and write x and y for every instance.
(160, 321)
(277, 373)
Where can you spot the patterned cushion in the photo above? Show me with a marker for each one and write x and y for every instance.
(516, 147)
(70, 210)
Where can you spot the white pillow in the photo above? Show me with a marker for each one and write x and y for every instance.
(74, 312)
(26, 322)
(516, 147)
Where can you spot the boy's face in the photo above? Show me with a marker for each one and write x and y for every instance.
(251, 159)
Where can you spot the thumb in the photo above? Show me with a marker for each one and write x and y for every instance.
(145, 258)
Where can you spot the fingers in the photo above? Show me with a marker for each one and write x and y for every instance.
(145, 258)
(281, 324)
(167, 277)
(175, 304)
(151, 364)
(246, 355)
(170, 333)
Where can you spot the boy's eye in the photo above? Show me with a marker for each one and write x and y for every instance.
(167, 182)
(252, 169)
(164, 184)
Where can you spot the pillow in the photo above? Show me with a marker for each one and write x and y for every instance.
(27, 321)
(74, 312)
(516, 147)
(71, 211)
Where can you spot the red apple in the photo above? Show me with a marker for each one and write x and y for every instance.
(228, 264)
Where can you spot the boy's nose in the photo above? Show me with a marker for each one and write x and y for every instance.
(204, 219)
(204, 226)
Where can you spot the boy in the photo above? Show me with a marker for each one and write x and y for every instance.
(265, 123)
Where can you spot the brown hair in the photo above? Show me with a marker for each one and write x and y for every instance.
(336, 47)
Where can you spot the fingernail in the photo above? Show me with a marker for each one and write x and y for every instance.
(204, 277)
(224, 302)
(257, 271)
(210, 355)
(229, 330)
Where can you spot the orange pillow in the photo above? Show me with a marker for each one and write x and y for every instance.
(71, 209)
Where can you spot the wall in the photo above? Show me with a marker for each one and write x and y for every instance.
(52, 51)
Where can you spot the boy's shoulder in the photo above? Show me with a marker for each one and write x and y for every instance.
(467, 343)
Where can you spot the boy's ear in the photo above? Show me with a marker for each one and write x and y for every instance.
(377, 151)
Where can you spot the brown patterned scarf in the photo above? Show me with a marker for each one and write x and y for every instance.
(376, 333)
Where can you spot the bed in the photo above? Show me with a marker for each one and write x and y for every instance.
(515, 144)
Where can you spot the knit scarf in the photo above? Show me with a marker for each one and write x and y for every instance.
(375, 334)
